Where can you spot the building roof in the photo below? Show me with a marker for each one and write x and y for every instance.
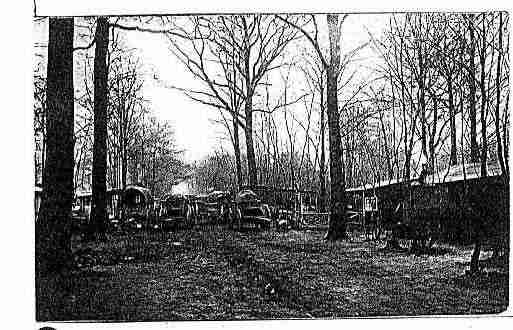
(463, 172)
(454, 173)
(379, 184)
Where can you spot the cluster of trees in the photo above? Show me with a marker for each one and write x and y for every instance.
(442, 95)
(293, 103)
(93, 129)
(437, 96)
(236, 57)
(140, 147)
(441, 100)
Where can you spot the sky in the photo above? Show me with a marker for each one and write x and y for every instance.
(192, 121)
(194, 130)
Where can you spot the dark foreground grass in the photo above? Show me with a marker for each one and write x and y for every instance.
(218, 274)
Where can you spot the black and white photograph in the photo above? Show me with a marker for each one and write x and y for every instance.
(295, 165)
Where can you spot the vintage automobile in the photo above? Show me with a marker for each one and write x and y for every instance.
(137, 209)
(176, 210)
(250, 212)
(214, 207)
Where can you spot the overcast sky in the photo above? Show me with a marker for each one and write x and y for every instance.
(192, 121)
(194, 131)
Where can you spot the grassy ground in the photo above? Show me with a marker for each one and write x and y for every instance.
(218, 274)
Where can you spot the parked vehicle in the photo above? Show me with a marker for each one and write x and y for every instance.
(250, 212)
(82, 207)
(214, 207)
(137, 209)
(176, 210)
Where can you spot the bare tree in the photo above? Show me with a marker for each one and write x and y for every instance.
(53, 236)
(98, 222)
(474, 148)
(498, 101)
(246, 48)
(333, 64)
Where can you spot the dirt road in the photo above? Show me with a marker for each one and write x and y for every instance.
(218, 274)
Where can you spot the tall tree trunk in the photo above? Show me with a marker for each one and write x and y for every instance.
(407, 153)
(484, 140)
(98, 221)
(123, 159)
(422, 89)
(43, 147)
(505, 130)
(248, 107)
(250, 151)
(236, 149)
(474, 148)
(390, 171)
(477, 222)
(452, 121)
(53, 235)
(322, 161)
(497, 105)
(124, 164)
(433, 133)
(337, 223)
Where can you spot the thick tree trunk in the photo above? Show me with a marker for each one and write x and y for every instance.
(123, 161)
(433, 133)
(422, 93)
(322, 161)
(250, 151)
(390, 171)
(248, 107)
(99, 217)
(484, 140)
(505, 139)
(236, 149)
(474, 148)
(452, 121)
(337, 223)
(43, 147)
(497, 105)
(124, 164)
(53, 236)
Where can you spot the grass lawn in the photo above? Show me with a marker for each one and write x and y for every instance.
(212, 273)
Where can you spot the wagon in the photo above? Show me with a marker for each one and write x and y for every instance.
(250, 212)
(214, 207)
(176, 210)
(137, 208)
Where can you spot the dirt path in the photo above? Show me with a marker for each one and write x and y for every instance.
(218, 274)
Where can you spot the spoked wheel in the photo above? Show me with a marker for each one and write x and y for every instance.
(189, 220)
(237, 221)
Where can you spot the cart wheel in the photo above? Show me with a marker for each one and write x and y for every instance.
(188, 217)
(238, 219)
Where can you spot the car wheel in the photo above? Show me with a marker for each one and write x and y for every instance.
(266, 211)
(238, 219)
(188, 217)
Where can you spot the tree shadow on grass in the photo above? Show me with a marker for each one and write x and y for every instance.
(483, 280)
